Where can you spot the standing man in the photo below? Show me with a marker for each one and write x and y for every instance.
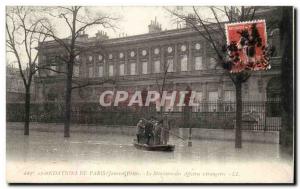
(157, 132)
(140, 130)
(149, 132)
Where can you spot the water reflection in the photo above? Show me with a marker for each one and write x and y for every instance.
(95, 147)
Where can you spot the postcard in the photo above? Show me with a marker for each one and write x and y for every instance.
(150, 94)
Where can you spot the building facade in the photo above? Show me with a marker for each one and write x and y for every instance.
(137, 62)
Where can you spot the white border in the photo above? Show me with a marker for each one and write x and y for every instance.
(3, 3)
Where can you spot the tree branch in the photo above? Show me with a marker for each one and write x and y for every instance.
(219, 24)
(90, 83)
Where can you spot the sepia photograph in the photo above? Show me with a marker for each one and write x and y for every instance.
(150, 94)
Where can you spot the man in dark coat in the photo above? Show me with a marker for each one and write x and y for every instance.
(148, 131)
(157, 132)
(140, 131)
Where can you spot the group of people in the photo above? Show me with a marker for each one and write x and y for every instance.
(153, 131)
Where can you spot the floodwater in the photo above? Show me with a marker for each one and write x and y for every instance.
(96, 150)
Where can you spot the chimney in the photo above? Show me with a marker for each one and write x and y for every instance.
(83, 36)
(101, 35)
(154, 26)
(190, 21)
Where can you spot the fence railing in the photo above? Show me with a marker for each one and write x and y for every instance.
(262, 115)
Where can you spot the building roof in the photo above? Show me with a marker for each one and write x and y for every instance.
(174, 33)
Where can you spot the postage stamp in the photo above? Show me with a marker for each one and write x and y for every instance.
(247, 42)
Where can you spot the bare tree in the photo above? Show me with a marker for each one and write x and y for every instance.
(213, 31)
(77, 19)
(21, 43)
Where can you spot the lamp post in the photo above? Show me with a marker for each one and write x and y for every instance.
(188, 119)
(190, 137)
(187, 113)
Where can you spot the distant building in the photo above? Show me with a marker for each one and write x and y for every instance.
(15, 89)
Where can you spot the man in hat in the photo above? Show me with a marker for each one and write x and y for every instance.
(140, 128)
(149, 131)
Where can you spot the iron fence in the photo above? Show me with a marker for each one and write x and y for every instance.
(262, 115)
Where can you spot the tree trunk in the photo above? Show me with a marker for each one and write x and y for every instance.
(161, 111)
(68, 96)
(27, 110)
(238, 124)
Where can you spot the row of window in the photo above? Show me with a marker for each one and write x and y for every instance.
(157, 67)
(144, 52)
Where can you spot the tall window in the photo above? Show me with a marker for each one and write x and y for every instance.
(76, 71)
(91, 71)
(100, 71)
(198, 100)
(199, 97)
(100, 57)
(90, 58)
(229, 96)
(132, 69)
(121, 71)
(170, 64)
(157, 66)
(44, 58)
(212, 98)
(198, 63)
(53, 68)
(246, 88)
(145, 68)
(183, 63)
(212, 63)
(111, 70)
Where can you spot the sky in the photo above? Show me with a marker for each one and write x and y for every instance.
(133, 20)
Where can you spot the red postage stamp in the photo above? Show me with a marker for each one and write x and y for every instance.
(247, 46)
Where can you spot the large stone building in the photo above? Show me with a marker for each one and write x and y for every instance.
(137, 62)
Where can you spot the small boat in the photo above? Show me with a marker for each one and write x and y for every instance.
(162, 147)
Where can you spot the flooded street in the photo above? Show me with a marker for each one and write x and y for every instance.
(86, 151)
